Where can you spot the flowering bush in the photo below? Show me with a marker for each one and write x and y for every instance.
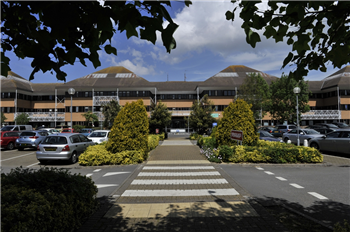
(212, 154)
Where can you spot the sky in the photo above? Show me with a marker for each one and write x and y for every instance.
(206, 43)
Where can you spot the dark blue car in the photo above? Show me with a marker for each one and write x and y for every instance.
(86, 131)
(264, 135)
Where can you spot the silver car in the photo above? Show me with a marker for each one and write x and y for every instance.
(303, 134)
(30, 139)
(63, 146)
(337, 141)
(99, 136)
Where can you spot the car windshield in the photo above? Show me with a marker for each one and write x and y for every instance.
(66, 130)
(28, 134)
(98, 134)
(7, 128)
(55, 140)
(332, 126)
(311, 132)
(343, 125)
(265, 134)
(85, 130)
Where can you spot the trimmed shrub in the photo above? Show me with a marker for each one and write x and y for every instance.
(153, 141)
(130, 129)
(225, 152)
(194, 136)
(237, 116)
(207, 142)
(45, 200)
(98, 155)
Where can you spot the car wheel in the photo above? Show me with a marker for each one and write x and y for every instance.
(20, 148)
(10, 146)
(286, 140)
(315, 145)
(73, 158)
(43, 162)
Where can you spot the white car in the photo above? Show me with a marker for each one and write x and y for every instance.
(99, 136)
(50, 130)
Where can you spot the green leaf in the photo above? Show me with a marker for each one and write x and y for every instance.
(252, 37)
(130, 30)
(109, 49)
(287, 59)
(269, 31)
(167, 36)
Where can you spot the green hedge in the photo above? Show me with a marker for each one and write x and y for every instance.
(98, 154)
(45, 200)
(270, 152)
(209, 142)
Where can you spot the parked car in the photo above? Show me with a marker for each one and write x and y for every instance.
(303, 134)
(68, 130)
(86, 131)
(279, 130)
(314, 127)
(341, 124)
(324, 130)
(336, 141)
(63, 146)
(51, 130)
(17, 128)
(264, 135)
(327, 125)
(30, 139)
(8, 139)
(99, 136)
(267, 128)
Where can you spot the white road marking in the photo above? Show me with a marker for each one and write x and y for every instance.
(297, 186)
(18, 156)
(259, 168)
(179, 193)
(319, 196)
(178, 182)
(32, 165)
(177, 168)
(114, 173)
(179, 174)
(105, 185)
(281, 178)
(97, 170)
(88, 175)
(269, 173)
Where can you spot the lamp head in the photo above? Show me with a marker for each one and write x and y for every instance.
(71, 91)
(296, 90)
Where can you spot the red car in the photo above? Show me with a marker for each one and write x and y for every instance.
(68, 130)
(8, 139)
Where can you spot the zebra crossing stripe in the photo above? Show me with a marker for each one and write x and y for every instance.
(180, 193)
(179, 182)
(177, 168)
(179, 174)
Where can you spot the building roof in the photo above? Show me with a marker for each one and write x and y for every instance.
(339, 79)
(14, 81)
(233, 76)
(176, 86)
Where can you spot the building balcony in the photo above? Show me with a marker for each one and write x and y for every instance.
(321, 114)
(43, 116)
(180, 112)
(101, 100)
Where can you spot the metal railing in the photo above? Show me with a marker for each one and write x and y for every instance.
(43, 116)
(100, 100)
(321, 114)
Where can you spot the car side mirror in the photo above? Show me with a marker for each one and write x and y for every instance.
(324, 137)
(301, 133)
(90, 140)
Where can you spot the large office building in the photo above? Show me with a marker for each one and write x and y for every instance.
(50, 104)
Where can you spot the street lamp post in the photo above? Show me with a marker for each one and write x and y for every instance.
(296, 90)
(71, 92)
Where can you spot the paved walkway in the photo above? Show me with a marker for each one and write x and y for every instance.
(177, 189)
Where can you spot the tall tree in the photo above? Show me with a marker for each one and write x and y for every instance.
(22, 119)
(90, 117)
(160, 117)
(110, 112)
(32, 29)
(256, 92)
(318, 31)
(3, 118)
(283, 99)
(200, 117)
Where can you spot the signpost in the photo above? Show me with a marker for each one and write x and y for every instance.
(237, 135)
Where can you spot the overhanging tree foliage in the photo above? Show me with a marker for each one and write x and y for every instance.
(283, 99)
(318, 31)
(200, 116)
(57, 33)
(90, 117)
(160, 117)
(256, 92)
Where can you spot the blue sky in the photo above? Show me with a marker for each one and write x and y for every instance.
(206, 44)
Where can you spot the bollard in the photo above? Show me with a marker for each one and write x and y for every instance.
(306, 144)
